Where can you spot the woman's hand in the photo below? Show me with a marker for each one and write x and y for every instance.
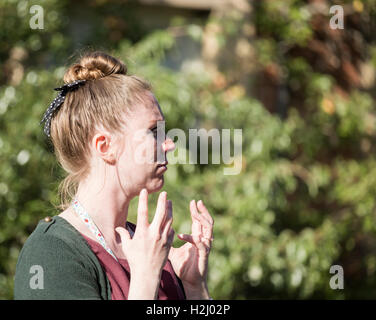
(148, 250)
(190, 261)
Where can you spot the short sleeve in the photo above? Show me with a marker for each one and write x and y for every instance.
(48, 268)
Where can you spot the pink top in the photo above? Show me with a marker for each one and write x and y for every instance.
(119, 276)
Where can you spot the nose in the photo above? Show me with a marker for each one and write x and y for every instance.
(168, 145)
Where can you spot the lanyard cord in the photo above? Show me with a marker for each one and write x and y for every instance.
(88, 221)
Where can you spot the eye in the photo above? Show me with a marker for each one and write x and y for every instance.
(154, 131)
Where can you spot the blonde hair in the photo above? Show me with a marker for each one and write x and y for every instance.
(108, 94)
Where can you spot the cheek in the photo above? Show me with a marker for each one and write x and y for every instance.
(140, 154)
(145, 152)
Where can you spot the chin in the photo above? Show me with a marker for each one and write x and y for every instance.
(156, 186)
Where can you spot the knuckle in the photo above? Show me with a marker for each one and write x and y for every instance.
(157, 236)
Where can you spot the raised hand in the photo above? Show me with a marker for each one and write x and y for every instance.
(148, 250)
(190, 261)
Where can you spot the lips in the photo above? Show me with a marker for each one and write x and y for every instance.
(162, 167)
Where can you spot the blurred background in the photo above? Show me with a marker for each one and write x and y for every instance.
(303, 94)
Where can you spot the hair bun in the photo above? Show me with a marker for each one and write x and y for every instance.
(94, 65)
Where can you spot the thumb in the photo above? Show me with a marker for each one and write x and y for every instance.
(123, 233)
(186, 238)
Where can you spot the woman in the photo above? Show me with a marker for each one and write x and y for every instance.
(103, 127)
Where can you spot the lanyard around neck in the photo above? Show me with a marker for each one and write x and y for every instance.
(88, 221)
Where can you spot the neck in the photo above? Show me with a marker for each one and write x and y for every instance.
(108, 207)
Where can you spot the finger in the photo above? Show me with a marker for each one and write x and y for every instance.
(169, 209)
(206, 226)
(168, 216)
(170, 237)
(203, 221)
(205, 212)
(196, 242)
(196, 225)
(207, 221)
(201, 217)
(160, 211)
(123, 233)
(167, 228)
(142, 210)
(207, 243)
(200, 226)
(186, 238)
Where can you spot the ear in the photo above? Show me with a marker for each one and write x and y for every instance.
(103, 147)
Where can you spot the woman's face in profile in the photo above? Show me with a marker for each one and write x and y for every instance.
(137, 163)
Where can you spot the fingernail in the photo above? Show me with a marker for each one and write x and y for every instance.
(199, 201)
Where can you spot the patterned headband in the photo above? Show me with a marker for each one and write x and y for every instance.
(58, 101)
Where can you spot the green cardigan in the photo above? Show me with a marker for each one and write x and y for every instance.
(58, 255)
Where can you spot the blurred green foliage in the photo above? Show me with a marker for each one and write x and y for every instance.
(305, 199)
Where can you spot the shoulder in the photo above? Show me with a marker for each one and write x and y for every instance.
(55, 233)
(63, 255)
(55, 239)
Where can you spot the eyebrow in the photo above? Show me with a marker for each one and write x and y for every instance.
(154, 121)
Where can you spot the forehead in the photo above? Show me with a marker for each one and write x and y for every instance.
(147, 113)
